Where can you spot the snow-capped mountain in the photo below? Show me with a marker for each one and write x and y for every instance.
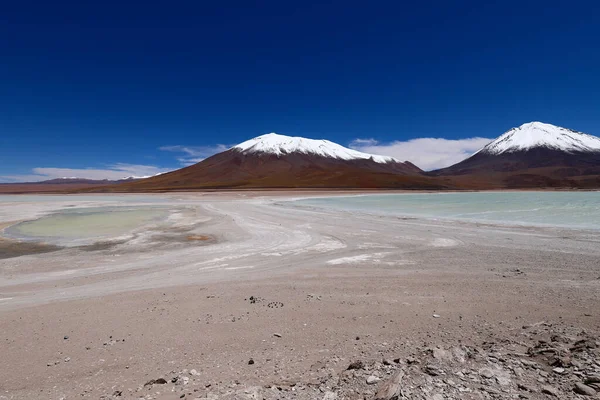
(279, 145)
(279, 161)
(538, 134)
(533, 155)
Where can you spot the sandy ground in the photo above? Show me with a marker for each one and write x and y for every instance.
(283, 299)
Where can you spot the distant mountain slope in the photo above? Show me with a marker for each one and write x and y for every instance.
(59, 185)
(279, 161)
(533, 155)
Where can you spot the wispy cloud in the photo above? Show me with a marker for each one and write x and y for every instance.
(192, 154)
(427, 153)
(112, 172)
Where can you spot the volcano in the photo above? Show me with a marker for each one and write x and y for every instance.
(279, 161)
(532, 155)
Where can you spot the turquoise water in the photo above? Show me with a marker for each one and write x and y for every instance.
(79, 225)
(561, 209)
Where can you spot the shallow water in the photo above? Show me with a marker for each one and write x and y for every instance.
(82, 224)
(560, 209)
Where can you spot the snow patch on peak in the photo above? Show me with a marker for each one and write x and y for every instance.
(538, 134)
(274, 143)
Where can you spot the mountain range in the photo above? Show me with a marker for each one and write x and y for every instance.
(533, 155)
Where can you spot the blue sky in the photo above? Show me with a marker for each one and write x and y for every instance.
(119, 88)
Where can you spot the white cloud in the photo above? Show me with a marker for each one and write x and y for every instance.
(426, 153)
(112, 172)
(194, 154)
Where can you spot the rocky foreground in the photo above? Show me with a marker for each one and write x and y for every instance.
(541, 361)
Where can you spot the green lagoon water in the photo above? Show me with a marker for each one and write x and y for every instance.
(88, 223)
(579, 210)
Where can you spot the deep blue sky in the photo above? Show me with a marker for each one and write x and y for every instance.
(90, 84)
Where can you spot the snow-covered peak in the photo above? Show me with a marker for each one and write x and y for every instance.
(274, 143)
(539, 134)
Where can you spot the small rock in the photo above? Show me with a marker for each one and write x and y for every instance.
(356, 365)
(486, 373)
(193, 372)
(391, 388)
(585, 390)
(592, 379)
(524, 387)
(184, 380)
(432, 370)
(550, 390)
(66, 337)
(528, 363)
(159, 381)
(492, 391)
(67, 359)
(277, 334)
(559, 370)
(372, 379)
(435, 316)
(330, 396)
(251, 362)
(441, 354)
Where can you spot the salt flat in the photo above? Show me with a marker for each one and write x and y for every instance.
(335, 285)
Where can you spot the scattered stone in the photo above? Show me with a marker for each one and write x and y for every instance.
(550, 390)
(559, 370)
(409, 360)
(441, 354)
(391, 389)
(356, 365)
(184, 380)
(330, 396)
(432, 370)
(159, 381)
(592, 379)
(372, 379)
(584, 390)
(486, 373)
(524, 387)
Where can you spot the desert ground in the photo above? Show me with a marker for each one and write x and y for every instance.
(246, 296)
